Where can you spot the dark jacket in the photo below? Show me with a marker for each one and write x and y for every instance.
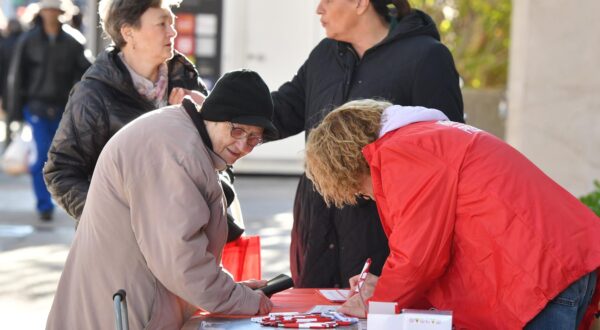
(7, 47)
(409, 67)
(102, 103)
(42, 71)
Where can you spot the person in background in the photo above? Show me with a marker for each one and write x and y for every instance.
(47, 61)
(371, 52)
(140, 72)
(473, 226)
(7, 47)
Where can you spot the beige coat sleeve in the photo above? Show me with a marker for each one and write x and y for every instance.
(169, 217)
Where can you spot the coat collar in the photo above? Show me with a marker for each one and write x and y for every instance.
(218, 162)
(190, 108)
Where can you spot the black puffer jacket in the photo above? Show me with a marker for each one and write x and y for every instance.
(44, 70)
(409, 67)
(104, 101)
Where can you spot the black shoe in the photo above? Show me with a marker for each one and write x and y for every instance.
(46, 216)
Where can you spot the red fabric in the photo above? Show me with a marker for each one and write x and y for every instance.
(290, 300)
(241, 258)
(298, 300)
(474, 227)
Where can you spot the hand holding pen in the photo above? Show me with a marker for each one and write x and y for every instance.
(365, 282)
(363, 276)
(362, 287)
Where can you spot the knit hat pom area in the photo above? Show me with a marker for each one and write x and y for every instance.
(241, 97)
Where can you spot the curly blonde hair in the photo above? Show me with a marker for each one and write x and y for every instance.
(334, 159)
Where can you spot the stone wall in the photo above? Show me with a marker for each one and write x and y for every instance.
(554, 89)
(486, 109)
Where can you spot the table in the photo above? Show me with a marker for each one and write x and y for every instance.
(291, 300)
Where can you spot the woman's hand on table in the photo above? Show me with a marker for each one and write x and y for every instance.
(178, 93)
(354, 306)
(368, 287)
(265, 305)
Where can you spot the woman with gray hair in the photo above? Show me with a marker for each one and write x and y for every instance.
(140, 72)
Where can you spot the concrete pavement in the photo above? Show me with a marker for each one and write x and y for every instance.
(32, 253)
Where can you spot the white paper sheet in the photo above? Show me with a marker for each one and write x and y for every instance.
(335, 295)
(323, 309)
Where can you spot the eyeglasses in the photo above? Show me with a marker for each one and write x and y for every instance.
(239, 133)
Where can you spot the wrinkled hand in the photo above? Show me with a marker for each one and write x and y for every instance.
(265, 305)
(354, 306)
(254, 284)
(178, 93)
(368, 287)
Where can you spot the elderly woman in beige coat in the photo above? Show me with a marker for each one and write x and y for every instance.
(154, 222)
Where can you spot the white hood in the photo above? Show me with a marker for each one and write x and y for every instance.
(398, 116)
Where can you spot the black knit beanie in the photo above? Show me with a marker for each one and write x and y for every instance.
(241, 97)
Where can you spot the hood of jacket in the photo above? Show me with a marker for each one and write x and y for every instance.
(110, 70)
(414, 24)
(417, 23)
(397, 116)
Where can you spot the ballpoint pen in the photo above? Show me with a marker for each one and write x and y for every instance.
(363, 275)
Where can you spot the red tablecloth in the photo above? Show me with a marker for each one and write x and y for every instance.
(291, 300)
(298, 300)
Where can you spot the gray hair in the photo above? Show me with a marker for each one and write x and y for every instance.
(114, 14)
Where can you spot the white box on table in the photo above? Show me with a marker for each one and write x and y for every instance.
(383, 316)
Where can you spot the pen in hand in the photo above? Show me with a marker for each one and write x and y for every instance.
(363, 276)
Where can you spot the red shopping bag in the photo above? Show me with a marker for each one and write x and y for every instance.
(241, 258)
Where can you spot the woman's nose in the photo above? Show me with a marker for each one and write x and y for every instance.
(320, 8)
(172, 32)
(243, 145)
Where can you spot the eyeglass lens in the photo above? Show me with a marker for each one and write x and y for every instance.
(239, 133)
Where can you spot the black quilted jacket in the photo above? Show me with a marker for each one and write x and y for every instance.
(99, 105)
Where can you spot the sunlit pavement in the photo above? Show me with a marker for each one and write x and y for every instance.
(32, 253)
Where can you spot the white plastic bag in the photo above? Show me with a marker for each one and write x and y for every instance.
(19, 154)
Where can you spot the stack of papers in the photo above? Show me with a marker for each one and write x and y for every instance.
(335, 295)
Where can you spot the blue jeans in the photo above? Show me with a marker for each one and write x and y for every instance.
(43, 132)
(566, 310)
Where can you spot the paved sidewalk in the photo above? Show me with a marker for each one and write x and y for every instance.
(32, 253)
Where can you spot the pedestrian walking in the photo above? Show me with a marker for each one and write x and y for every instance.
(47, 61)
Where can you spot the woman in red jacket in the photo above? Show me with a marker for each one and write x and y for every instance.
(473, 226)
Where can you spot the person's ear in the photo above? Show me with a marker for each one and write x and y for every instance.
(362, 6)
(127, 33)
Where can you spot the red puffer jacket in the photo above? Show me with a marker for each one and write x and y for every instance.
(474, 227)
